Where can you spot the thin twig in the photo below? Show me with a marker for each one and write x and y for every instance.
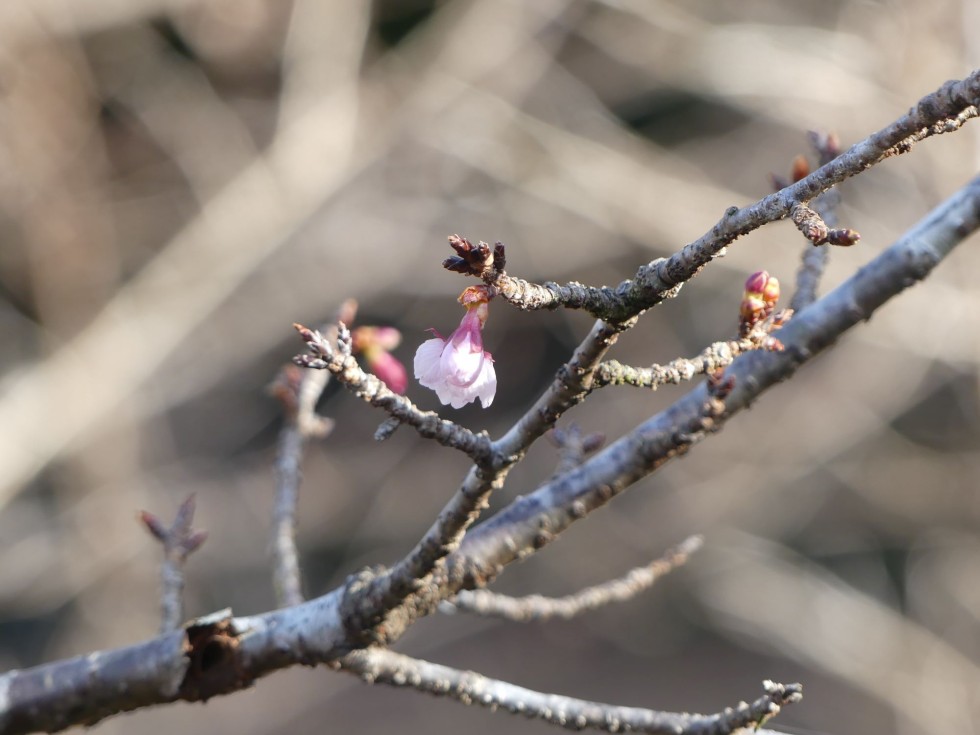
(380, 666)
(179, 541)
(342, 365)
(538, 608)
(298, 391)
(714, 357)
(814, 260)
(573, 447)
(946, 109)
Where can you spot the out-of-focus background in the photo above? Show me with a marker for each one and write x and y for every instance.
(183, 179)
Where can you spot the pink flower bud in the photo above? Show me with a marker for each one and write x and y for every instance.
(374, 343)
(389, 369)
(756, 283)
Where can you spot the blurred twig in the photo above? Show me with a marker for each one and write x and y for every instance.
(242, 224)
(298, 392)
(538, 607)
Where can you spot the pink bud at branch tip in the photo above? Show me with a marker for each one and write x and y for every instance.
(756, 283)
(375, 344)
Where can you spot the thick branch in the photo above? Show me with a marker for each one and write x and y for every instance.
(386, 667)
(223, 654)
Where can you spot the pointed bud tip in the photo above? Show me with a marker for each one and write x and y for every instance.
(756, 283)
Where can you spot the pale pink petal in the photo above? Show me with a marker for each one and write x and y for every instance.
(427, 360)
(485, 385)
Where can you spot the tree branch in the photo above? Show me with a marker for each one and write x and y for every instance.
(946, 109)
(371, 389)
(381, 666)
(539, 608)
(534, 520)
(714, 357)
(179, 541)
(298, 394)
(814, 260)
(221, 654)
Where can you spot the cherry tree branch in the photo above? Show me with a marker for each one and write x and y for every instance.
(179, 541)
(384, 593)
(381, 666)
(371, 389)
(539, 608)
(714, 357)
(944, 110)
(298, 391)
(220, 654)
(532, 521)
(814, 259)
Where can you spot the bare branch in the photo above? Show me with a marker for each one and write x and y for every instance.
(381, 666)
(179, 541)
(538, 608)
(948, 124)
(946, 109)
(221, 654)
(814, 260)
(383, 594)
(298, 392)
(532, 521)
(373, 390)
(714, 357)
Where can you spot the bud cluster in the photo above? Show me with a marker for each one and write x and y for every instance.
(758, 301)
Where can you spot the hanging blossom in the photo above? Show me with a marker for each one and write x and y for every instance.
(375, 344)
(457, 368)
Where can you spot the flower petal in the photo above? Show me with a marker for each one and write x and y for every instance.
(427, 361)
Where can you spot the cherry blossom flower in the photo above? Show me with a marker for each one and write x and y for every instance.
(457, 368)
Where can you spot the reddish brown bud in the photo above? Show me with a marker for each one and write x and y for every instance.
(800, 168)
(843, 237)
(470, 259)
